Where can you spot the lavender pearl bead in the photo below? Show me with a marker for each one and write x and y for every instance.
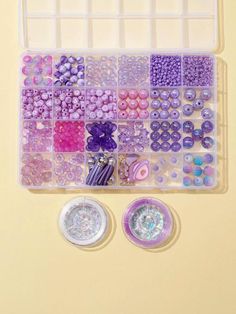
(190, 94)
(197, 134)
(154, 93)
(155, 104)
(188, 126)
(207, 113)
(164, 114)
(174, 114)
(155, 146)
(207, 142)
(198, 104)
(165, 105)
(175, 126)
(207, 126)
(165, 146)
(175, 103)
(188, 142)
(187, 110)
(174, 93)
(206, 94)
(164, 95)
(165, 126)
(175, 147)
(154, 114)
(155, 125)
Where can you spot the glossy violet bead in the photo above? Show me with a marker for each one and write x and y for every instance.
(188, 126)
(207, 126)
(188, 142)
(187, 110)
(207, 142)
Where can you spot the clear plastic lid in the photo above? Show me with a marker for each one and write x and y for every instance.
(113, 24)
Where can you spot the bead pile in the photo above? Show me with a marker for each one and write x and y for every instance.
(133, 136)
(36, 103)
(69, 104)
(165, 136)
(101, 136)
(37, 136)
(110, 120)
(165, 104)
(198, 170)
(69, 71)
(101, 71)
(69, 169)
(133, 70)
(101, 104)
(36, 170)
(37, 70)
(69, 136)
(165, 70)
(133, 104)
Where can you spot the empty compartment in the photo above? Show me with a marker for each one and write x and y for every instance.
(200, 33)
(104, 33)
(72, 6)
(168, 34)
(168, 6)
(73, 33)
(40, 7)
(135, 7)
(134, 39)
(40, 33)
(201, 6)
(104, 7)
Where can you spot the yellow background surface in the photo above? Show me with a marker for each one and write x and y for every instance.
(41, 273)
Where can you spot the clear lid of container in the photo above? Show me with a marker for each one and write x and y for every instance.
(102, 24)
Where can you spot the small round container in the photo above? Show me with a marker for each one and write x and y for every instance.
(84, 221)
(148, 223)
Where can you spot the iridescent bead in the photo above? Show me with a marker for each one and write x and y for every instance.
(143, 114)
(198, 160)
(155, 104)
(197, 171)
(208, 181)
(187, 168)
(143, 104)
(207, 142)
(198, 104)
(188, 142)
(164, 95)
(155, 125)
(198, 181)
(206, 94)
(188, 126)
(207, 113)
(187, 181)
(208, 158)
(190, 94)
(197, 134)
(175, 126)
(207, 126)
(208, 171)
(187, 110)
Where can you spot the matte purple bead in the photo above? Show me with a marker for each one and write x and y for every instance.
(207, 126)
(207, 142)
(188, 110)
(188, 142)
(188, 126)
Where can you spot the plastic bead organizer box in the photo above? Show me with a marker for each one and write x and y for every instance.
(131, 108)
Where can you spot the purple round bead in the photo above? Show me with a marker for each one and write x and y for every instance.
(165, 146)
(155, 104)
(207, 126)
(188, 126)
(165, 125)
(207, 113)
(164, 95)
(155, 125)
(165, 136)
(207, 142)
(174, 93)
(188, 142)
(165, 105)
(155, 136)
(175, 136)
(175, 126)
(154, 114)
(187, 110)
(154, 93)
(164, 114)
(190, 94)
(175, 103)
(155, 146)
(175, 147)
(208, 158)
(174, 114)
(206, 94)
